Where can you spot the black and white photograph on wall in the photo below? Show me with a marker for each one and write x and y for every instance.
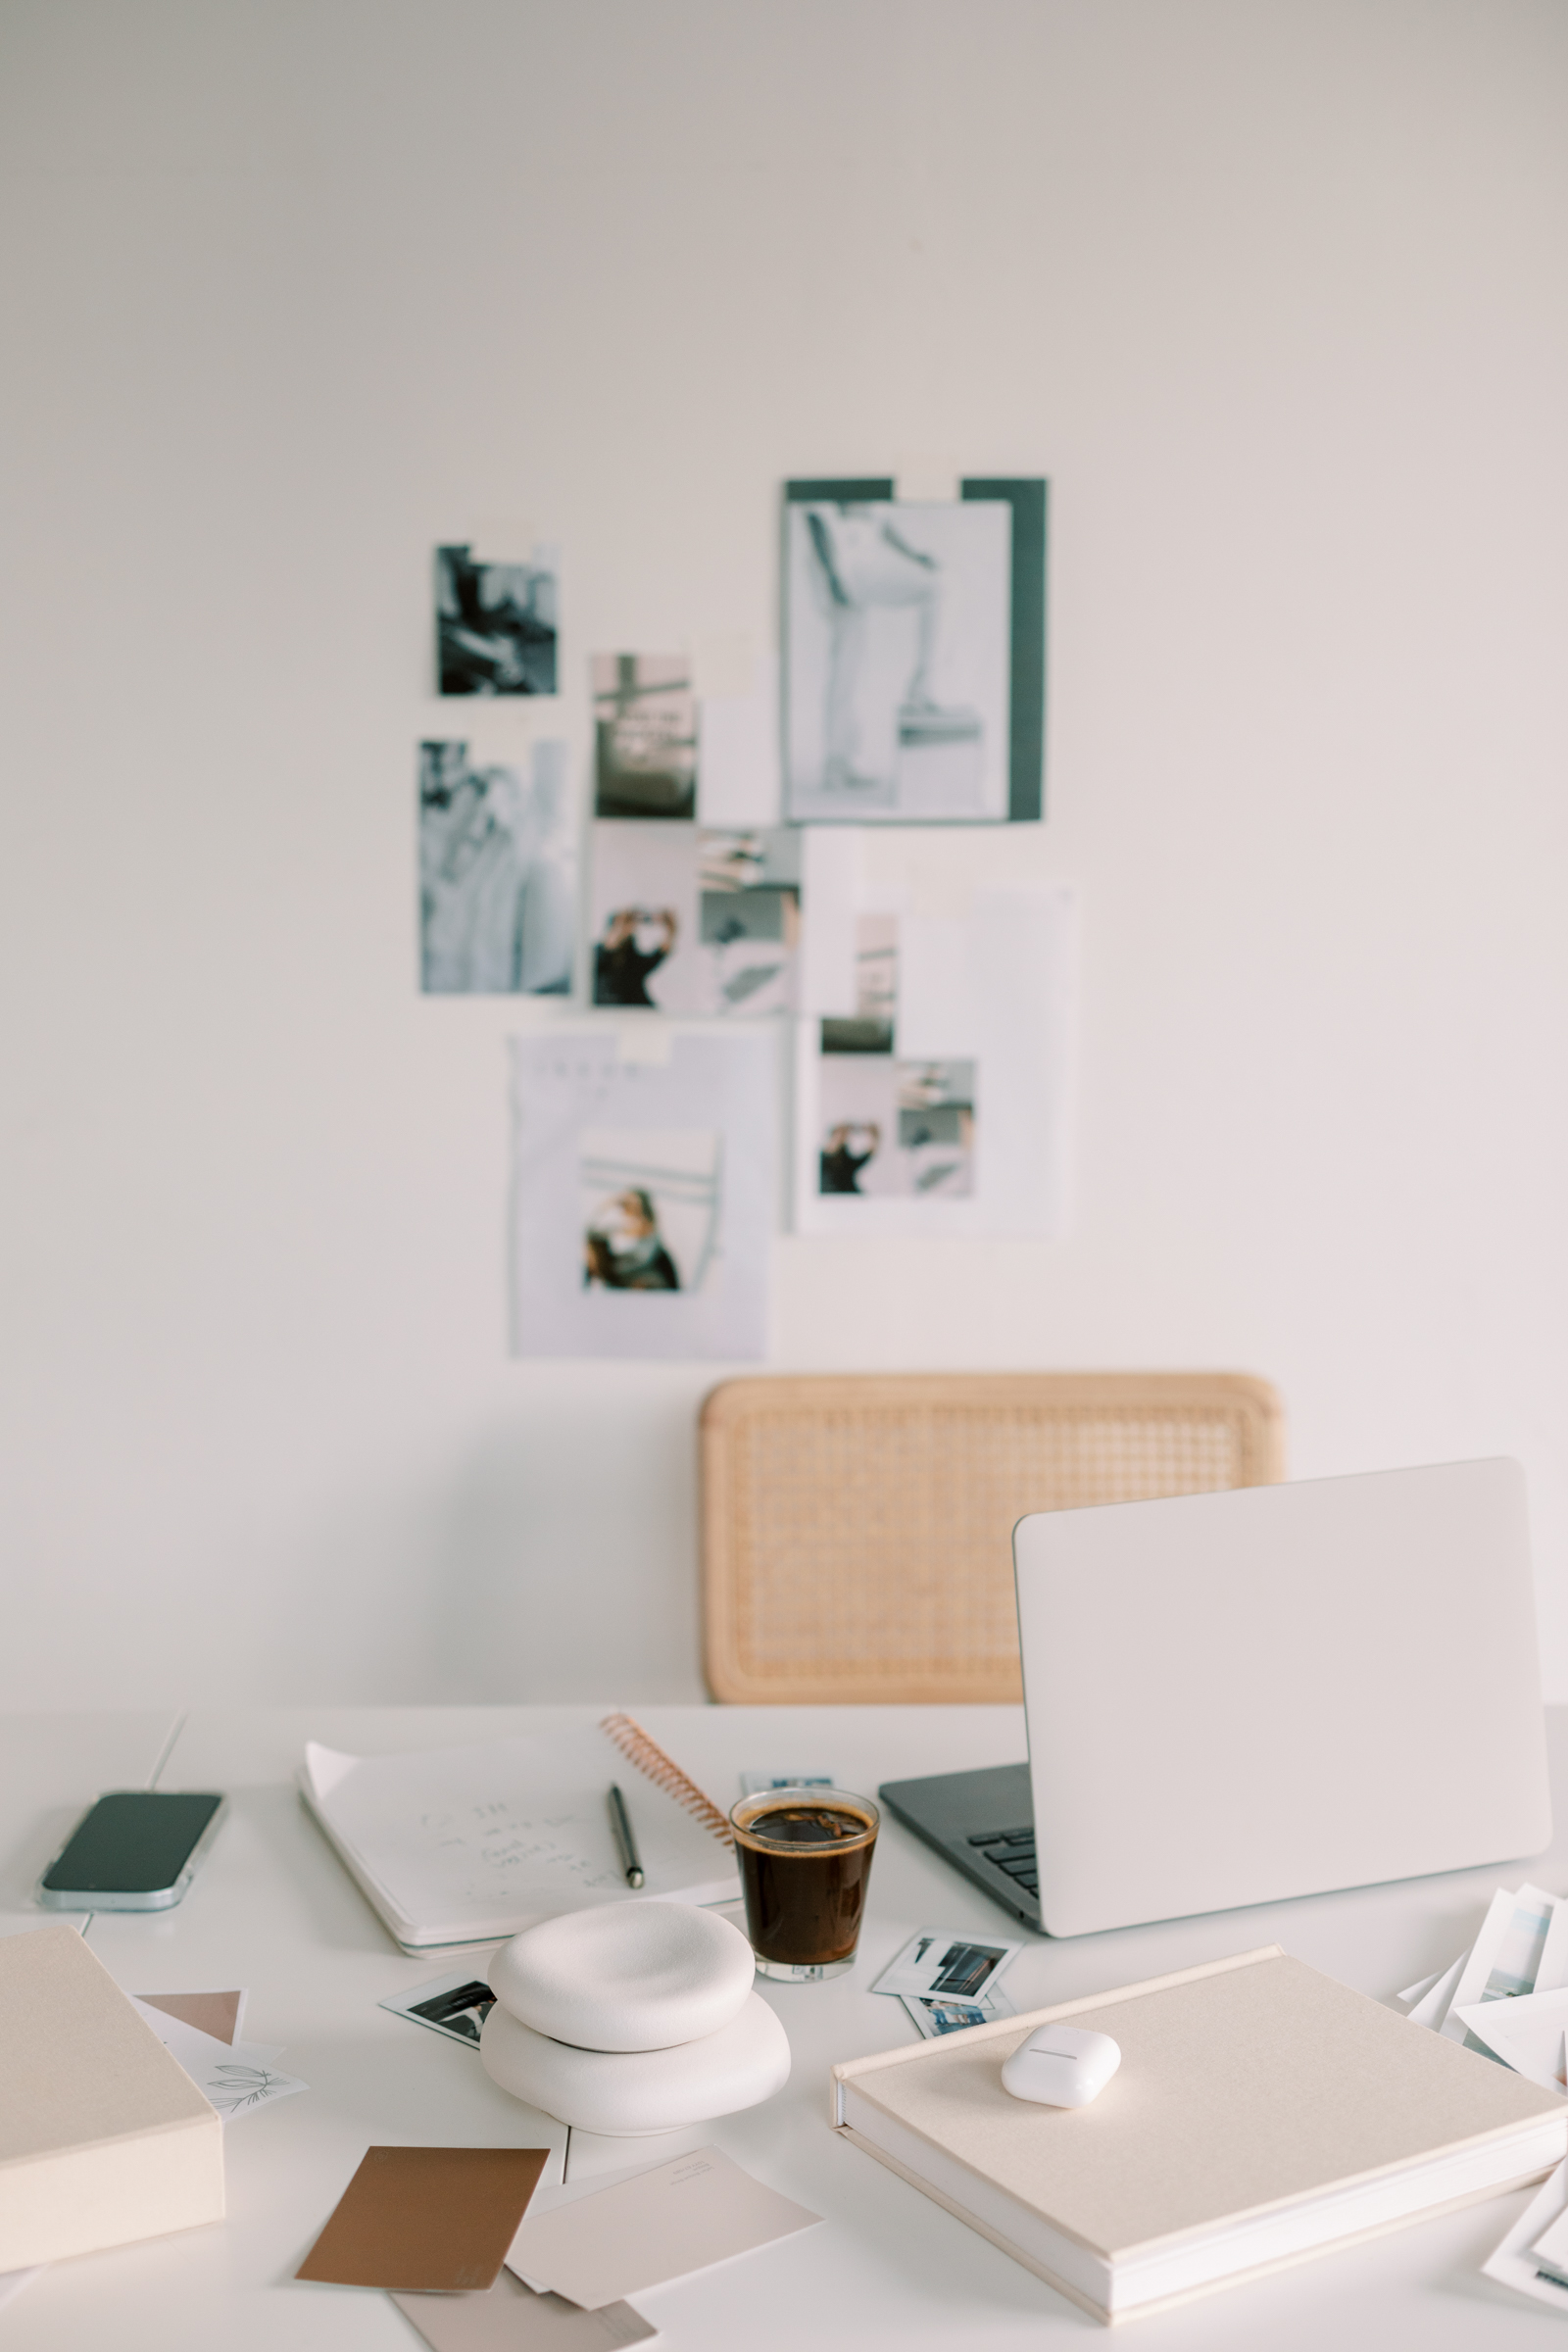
(644, 1192)
(896, 661)
(749, 918)
(496, 873)
(496, 623)
(688, 919)
(645, 735)
(936, 1128)
(869, 1029)
(651, 1207)
(894, 1130)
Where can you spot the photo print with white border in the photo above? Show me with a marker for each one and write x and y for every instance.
(934, 2018)
(948, 1964)
(456, 2005)
(690, 919)
(651, 1207)
(894, 1130)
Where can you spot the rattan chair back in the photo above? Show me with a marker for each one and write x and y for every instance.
(856, 1529)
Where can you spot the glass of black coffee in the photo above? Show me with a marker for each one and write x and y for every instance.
(805, 1862)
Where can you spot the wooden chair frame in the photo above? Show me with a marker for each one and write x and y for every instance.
(855, 1527)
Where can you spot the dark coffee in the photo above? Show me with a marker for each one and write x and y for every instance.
(805, 1862)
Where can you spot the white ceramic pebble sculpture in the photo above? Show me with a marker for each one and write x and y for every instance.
(632, 2019)
(627, 2093)
(625, 1976)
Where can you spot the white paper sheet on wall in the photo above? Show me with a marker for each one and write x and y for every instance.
(832, 892)
(959, 1122)
(738, 775)
(644, 1194)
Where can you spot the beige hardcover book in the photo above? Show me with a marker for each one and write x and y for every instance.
(1262, 2113)
(104, 2137)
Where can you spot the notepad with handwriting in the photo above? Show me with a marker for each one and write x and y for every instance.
(466, 1844)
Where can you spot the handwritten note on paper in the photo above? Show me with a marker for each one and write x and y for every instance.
(494, 1846)
(514, 1828)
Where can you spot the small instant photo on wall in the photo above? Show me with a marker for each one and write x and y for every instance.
(496, 621)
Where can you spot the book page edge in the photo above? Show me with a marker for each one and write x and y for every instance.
(1190, 2294)
(1005, 2245)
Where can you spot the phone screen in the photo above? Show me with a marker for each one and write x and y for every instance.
(133, 1842)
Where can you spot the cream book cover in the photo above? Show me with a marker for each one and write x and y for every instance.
(1261, 2113)
(104, 2137)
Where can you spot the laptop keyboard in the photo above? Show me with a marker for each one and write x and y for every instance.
(1012, 1851)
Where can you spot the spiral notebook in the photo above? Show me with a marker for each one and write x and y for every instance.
(455, 1845)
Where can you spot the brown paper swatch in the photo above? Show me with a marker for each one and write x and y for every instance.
(512, 2317)
(426, 2219)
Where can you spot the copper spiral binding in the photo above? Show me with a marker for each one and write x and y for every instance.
(664, 1772)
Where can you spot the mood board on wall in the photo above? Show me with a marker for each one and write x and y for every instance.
(735, 1024)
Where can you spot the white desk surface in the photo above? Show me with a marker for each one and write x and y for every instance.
(273, 1909)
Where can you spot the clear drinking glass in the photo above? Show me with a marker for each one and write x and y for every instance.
(806, 1863)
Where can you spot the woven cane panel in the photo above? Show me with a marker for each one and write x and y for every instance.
(874, 1544)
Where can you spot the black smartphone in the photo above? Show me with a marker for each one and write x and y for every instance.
(134, 1850)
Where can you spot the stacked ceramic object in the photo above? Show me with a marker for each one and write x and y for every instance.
(631, 2019)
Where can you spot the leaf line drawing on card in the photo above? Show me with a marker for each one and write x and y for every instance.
(233, 2088)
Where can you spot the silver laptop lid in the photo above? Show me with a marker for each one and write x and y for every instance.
(1240, 1697)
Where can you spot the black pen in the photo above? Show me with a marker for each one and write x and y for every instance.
(626, 1842)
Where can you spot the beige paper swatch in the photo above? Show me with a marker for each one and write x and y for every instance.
(697, 2209)
(511, 2317)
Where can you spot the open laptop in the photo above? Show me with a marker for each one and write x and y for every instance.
(1274, 1692)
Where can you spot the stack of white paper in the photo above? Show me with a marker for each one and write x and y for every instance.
(1534, 2256)
(1508, 1997)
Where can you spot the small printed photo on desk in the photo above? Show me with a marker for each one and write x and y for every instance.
(947, 1963)
(456, 2005)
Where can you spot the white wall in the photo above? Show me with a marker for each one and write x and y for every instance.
(1274, 294)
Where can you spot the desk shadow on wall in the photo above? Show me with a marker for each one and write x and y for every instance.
(565, 1552)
